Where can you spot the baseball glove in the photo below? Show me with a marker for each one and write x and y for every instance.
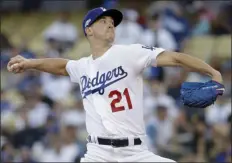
(200, 95)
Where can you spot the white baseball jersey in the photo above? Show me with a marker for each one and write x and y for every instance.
(112, 89)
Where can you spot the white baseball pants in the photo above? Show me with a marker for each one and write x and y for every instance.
(132, 153)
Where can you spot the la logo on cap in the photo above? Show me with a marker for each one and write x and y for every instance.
(87, 22)
(103, 9)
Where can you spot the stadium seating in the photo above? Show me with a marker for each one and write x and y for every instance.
(20, 27)
(205, 46)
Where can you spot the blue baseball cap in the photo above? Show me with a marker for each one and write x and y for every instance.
(96, 13)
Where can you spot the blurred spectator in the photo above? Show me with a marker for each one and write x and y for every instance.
(221, 25)
(7, 150)
(26, 134)
(157, 36)
(24, 50)
(202, 20)
(157, 7)
(61, 142)
(25, 122)
(199, 138)
(49, 148)
(6, 105)
(53, 49)
(51, 130)
(128, 31)
(158, 97)
(51, 82)
(220, 150)
(225, 69)
(63, 147)
(160, 129)
(28, 80)
(174, 21)
(25, 156)
(183, 130)
(38, 111)
(77, 115)
(61, 35)
(6, 50)
(74, 117)
(219, 112)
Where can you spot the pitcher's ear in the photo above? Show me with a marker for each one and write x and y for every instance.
(89, 31)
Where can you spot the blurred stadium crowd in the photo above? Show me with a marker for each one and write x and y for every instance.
(42, 117)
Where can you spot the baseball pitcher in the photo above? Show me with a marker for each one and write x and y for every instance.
(111, 86)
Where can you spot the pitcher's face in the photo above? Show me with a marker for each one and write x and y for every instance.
(102, 29)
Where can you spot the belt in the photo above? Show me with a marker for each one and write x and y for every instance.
(115, 142)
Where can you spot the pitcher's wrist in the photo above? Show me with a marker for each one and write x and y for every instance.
(216, 76)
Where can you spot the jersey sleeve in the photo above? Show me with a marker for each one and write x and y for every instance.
(73, 68)
(144, 56)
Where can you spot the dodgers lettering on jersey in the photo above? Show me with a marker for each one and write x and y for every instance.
(112, 89)
(101, 81)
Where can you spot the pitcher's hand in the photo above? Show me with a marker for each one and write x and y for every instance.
(17, 64)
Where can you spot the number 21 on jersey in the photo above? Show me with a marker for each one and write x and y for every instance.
(117, 97)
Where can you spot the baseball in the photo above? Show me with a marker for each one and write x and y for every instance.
(14, 65)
